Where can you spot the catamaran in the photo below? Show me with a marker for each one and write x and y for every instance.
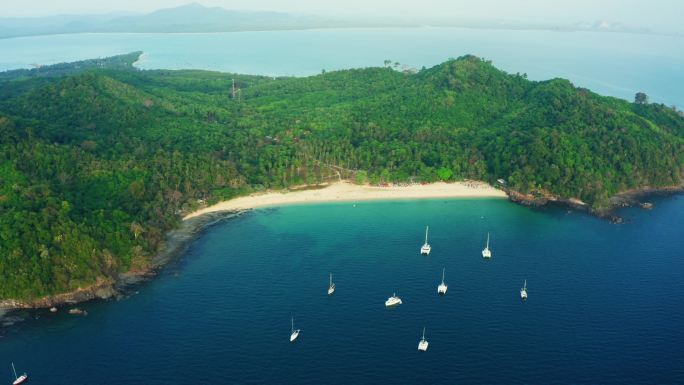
(486, 253)
(393, 301)
(442, 288)
(19, 379)
(523, 291)
(423, 344)
(294, 332)
(425, 249)
(331, 286)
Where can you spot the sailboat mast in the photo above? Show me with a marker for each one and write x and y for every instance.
(423, 332)
(443, 275)
(15, 371)
(487, 240)
(330, 284)
(292, 330)
(426, 233)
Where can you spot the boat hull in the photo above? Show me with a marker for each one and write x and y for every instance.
(294, 336)
(20, 380)
(392, 303)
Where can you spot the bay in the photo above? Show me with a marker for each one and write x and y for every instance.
(605, 302)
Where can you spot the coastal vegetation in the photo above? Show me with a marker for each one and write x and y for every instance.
(119, 62)
(98, 162)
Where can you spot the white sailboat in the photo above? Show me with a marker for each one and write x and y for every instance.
(331, 286)
(423, 344)
(486, 253)
(425, 249)
(19, 379)
(523, 291)
(442, 288)
(294, 332)
(393, 301)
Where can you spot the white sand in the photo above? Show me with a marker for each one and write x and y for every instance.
(347, 192)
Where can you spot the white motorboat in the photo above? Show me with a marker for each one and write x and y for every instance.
(393, 301)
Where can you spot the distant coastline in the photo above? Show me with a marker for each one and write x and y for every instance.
(348, 192)
(140, 58)
(348, 27)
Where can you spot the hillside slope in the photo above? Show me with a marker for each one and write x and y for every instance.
(96, 166)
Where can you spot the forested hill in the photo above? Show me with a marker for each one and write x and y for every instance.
(95, 167)
(62, 69)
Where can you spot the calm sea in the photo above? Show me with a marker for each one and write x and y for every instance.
(605, 302)
(616, 64)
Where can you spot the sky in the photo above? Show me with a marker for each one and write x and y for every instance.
(653, 14)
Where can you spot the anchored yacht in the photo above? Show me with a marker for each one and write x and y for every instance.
(393, 301)
(19, 379)
(294, 333)
(423, 344)
(331, 286)
(523, 291)
(425, 249)
(442, 288)
(486, 253)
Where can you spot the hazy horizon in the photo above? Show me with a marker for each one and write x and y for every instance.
(657, 15)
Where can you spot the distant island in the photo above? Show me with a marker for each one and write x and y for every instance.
(100, 160)
(196, 18)
(187, 18)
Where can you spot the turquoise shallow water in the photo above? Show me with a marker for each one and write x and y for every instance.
(615, 64)
(605, 302)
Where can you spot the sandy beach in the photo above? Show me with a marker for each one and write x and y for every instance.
(348, 192)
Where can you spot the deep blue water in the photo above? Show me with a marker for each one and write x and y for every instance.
(605, 302)
(616, 64)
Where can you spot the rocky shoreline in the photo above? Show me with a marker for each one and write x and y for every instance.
(637, 196)
(630, 198)
(175, 244)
